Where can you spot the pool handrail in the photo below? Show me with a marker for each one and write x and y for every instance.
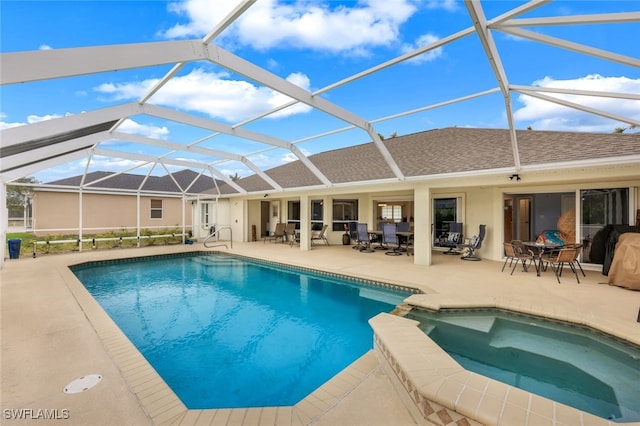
(216, 233)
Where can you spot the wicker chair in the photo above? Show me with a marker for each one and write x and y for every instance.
(565, 256)
(516, 255)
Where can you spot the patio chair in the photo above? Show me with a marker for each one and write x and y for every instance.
(353, 232)
(391, 239)
(474, 244)
(578, 248)
(278, 234)
(289, 231)
(364, 242)
(515, 254)
(321, 235)
(565, 256)
(452, 239)
(403, 227)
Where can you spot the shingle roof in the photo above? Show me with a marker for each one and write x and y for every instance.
(429, 153)
(127, 181)
(447, 150)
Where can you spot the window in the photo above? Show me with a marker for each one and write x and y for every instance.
(445, 211)
(344, 211)
(156, 209)
(392, 213)
(601, 207)
(293, 213)
(317, 216)
(204, 217)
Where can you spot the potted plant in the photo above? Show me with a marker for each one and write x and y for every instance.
(346, 237)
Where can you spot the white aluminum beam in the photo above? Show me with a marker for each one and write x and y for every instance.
(30, 169)
(228, 20)
(238, 132)
(69, 123)
(576, 47)
(200, 150)
(21, 67)
(615, 95)
(573, 105)
(180, 163)
(480, 23)
(603, 18)
(243, 67)
(143, 140)
(41, 154)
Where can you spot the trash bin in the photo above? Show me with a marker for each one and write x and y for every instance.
(14, 249)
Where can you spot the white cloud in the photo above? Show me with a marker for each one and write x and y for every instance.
(423, 40)
(133, 127)
(543, 115)
(45, 47)
(30, 119)
(450, 5)
(320, 26)
(213, 94)
(38, 118)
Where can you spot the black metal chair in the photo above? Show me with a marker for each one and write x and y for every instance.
(474, 244)
(452, 239)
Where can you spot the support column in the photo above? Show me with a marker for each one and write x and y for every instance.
(138, 218)
(4, 221)
(423, 227)
(305, 223)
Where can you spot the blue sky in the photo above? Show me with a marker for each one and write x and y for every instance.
(314, 44)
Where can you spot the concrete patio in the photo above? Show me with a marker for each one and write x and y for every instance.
(53, 332)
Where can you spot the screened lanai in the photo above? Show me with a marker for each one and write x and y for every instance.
(236, 89)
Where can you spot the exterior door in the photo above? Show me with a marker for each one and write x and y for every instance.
(524, 219)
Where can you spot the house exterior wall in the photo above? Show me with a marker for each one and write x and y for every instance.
(58, 212)
(482, 201)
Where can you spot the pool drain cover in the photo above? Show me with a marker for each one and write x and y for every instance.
(83, 383)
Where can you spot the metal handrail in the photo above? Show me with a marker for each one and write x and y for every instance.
(217, 233)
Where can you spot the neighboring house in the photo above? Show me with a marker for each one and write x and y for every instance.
(115, 202)
(466, 175)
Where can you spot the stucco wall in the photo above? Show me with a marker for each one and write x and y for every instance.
(58, 212)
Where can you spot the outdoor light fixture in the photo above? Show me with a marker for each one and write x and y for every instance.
(514, 176)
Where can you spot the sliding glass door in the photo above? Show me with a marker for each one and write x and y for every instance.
(445, 212)
(601, 207)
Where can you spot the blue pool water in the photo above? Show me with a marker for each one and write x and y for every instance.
(572, 365)
(227, 332)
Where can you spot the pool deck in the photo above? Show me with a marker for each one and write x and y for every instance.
(53, 332)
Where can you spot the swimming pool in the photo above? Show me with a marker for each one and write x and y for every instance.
(229, 332)
(569, 364)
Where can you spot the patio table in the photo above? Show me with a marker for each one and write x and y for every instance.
(539, 250)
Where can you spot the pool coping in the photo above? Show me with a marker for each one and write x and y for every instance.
(429, 379)
(159, 401)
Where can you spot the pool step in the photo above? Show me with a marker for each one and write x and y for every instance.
(215, 261)
(481, 324)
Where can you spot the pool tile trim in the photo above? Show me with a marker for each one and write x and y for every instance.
(373, 283)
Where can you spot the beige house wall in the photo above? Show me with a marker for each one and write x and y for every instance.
(482, 200)
(58, 213)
